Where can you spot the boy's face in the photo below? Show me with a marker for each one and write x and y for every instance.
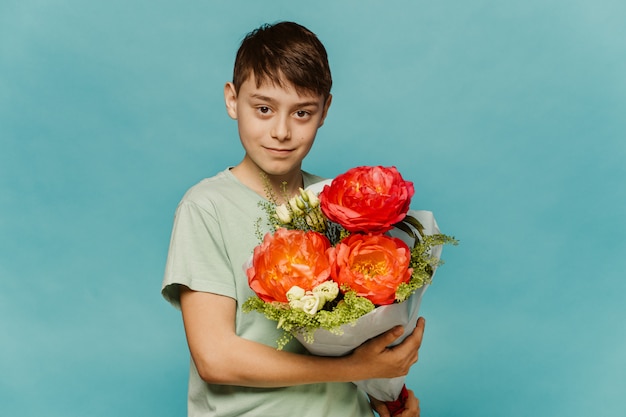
(277, 126)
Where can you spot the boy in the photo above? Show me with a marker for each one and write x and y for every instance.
(280, 95)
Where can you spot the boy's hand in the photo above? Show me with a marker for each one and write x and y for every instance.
(411, 407)
(390, 362)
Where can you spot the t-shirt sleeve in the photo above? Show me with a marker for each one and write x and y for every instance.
(197, 257)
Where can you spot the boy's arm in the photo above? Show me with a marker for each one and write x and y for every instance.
(222, 357)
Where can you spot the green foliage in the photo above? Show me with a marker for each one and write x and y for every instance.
(331, 318)
(423, 263)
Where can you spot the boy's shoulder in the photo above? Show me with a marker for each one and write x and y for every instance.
(210, 185)
(209, 191)
(310, 179)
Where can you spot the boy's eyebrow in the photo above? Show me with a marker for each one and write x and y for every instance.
(271, 100)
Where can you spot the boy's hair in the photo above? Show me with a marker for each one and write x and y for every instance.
(284, 51)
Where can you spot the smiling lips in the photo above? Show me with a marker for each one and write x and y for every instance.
(279, 151)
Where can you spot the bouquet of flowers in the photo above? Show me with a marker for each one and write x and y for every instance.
(346, 261)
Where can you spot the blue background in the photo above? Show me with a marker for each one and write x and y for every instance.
(508, 116)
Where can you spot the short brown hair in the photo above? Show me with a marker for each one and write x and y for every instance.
(287, 51)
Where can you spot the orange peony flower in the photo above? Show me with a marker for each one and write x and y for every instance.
(285, 259)
(371, 265)
(367, 199)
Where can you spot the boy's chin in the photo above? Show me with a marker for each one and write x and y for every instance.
(280, 172)
(279, 168)
(272, 169)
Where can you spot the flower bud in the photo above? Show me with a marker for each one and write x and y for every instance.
(283, 214)
(310, 220)
(321, 221)
(304, 195)
(295, 203)
(313, 200)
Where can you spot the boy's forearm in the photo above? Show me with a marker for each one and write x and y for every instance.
(238, 361)
(222, 357)
(247, 363)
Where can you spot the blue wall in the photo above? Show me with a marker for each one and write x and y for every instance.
(508, 116)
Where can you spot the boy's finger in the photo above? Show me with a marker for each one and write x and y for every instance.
(387, 338)
(414, 340)
(419, 329)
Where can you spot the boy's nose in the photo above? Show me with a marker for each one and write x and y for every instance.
(281, 130)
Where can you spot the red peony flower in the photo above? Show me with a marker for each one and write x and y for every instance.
(371, 265)
(285, 259)
(367, 199)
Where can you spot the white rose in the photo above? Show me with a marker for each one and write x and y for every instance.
(295, 293)
(312, 303)
(296, 304)
(328, 290)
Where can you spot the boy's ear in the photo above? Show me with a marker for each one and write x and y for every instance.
(326, 107)
(230, 98)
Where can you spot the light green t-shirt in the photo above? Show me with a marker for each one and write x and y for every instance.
(214, 234)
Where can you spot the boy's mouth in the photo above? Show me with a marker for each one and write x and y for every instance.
(281, 151)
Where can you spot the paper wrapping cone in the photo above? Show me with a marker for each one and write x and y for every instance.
(381, 319)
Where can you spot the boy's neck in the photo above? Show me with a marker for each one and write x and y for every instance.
(283, 187)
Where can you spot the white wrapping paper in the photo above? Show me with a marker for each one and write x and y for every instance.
(381, 319)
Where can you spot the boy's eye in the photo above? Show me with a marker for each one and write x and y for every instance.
(264, 109)
(302, 113)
